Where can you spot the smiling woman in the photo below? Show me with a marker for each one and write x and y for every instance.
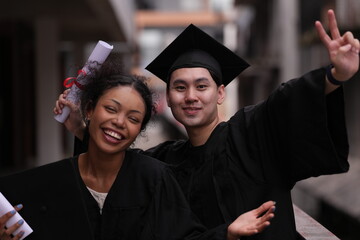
(116, 119)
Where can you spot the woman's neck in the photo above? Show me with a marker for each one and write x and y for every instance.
(99, 171)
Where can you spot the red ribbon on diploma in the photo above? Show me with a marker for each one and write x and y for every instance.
(68, 82)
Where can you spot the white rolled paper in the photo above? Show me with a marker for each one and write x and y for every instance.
(6, 207)
(97, 57)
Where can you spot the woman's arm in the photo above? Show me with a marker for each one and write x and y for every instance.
(74, 123)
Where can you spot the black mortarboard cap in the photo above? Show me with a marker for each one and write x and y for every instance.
(195, 48)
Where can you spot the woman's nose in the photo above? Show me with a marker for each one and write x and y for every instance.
(119, 121)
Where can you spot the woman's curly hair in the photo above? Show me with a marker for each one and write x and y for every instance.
(109, 75)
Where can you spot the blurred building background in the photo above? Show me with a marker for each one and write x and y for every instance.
(44, 41)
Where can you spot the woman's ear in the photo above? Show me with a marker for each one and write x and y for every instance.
(89, 110)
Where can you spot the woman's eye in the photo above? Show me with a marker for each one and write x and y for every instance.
(110, 109)
(134, 120)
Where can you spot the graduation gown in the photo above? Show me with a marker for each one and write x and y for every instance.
(145, 202)
(261, 152)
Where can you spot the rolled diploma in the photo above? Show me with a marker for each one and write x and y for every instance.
(98, 56)
(6, 207)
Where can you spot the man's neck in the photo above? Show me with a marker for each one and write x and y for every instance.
(199, 135)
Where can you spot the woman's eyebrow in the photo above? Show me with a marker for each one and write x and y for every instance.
(119, 103)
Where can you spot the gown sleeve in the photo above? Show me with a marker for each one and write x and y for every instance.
(298, 132)
(81, 146)
(170, 215)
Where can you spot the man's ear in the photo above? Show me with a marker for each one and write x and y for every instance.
(167, 99)
(221, 94)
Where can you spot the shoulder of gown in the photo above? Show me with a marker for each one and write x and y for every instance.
(51, 197)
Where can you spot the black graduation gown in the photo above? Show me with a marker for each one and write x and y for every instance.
(261, 152)
(53, 205)
(145, 202)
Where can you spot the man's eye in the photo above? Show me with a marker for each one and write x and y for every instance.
(180, 88)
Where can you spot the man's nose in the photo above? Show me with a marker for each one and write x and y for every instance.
(190, 95)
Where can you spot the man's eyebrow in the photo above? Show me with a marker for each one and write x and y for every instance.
(181, 81)
(202, 79)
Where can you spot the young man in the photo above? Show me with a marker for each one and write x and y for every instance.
(228, 168)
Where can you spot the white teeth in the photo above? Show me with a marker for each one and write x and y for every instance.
(113, 134)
